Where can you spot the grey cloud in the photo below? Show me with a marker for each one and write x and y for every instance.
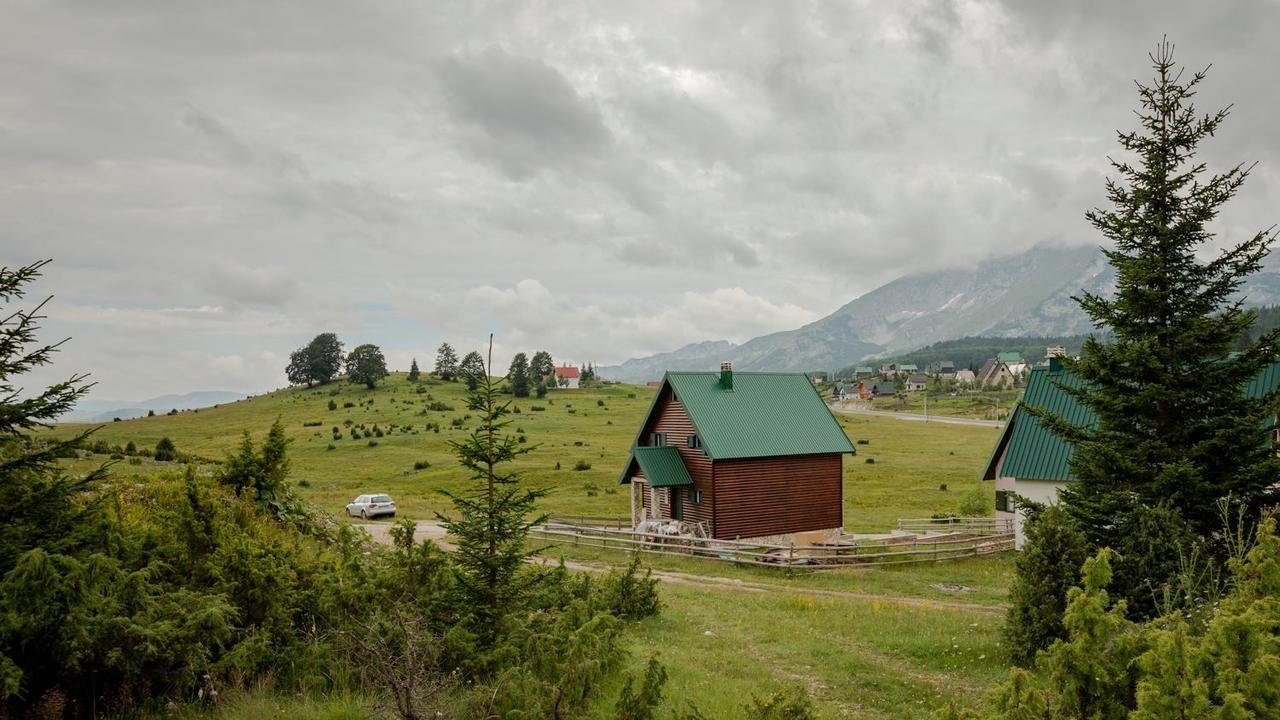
(298, 173)
(528, 114)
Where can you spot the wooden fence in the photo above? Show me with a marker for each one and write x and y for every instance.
(894, 550)
(988, 525)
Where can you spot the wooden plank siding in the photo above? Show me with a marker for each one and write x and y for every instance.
(670, 418)
(756, 497)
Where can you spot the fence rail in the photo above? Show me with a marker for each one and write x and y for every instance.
(906, 549)
(956, 524)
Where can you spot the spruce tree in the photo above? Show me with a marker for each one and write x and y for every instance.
(446, 362)
(414, 373)
(491, 521)
(472, 369)
(1173, 424)
(519, 375)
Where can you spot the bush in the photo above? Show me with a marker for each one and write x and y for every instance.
(978, 502)
(331, 447)
(599, 403)
(642, 703)
(165, 451)
(348, 404)
(537, 408)
(373, 443)
(438, 406)
(1047, 567)
(870, 461)
(333, 404)
(582, 465)
(864, 442)
(629, 595)
(421, 465)
(312, 423)
(130, 448)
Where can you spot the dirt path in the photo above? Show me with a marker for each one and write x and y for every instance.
(429, 530)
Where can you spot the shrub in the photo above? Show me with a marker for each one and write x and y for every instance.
(1047, 567)
(582, 465)
(312, 423)
(577, 443)
(943, 487)
(978, 502)
(864, 442)
(642, 703)
(438, 406)
(373, 443)
(421, 465)
(629, 595)
(165, 451)
(591, 489)
(333, 404)
(151, 413)
(631, 396)
(537, 408)
(130, 448)
(135, 461)
(348, 404)
(331, 447)
(871, 461)
(599, 403)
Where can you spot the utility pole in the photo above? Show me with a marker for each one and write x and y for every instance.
(926, 405)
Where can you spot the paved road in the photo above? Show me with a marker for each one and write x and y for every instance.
(920, 418)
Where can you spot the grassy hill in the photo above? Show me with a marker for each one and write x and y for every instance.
(856, 641)
(570, 429)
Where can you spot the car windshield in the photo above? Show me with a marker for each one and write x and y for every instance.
(380, 498)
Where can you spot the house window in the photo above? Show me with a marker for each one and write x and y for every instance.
(657, 439)
(693, 441)
(1004, 503)
(695, 496)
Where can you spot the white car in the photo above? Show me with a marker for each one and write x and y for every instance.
(367, 507)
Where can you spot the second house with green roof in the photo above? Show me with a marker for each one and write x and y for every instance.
(738, 456)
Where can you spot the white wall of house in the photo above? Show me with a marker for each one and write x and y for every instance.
(571, 383)
(1044, 492)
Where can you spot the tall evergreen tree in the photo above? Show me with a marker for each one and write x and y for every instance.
(519, 375)
(472, 369)
(491, 522)
(367, 365)
(1174, 426)
(414, 372)
(446, 362)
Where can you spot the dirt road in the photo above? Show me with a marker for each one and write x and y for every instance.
(920, 418)
(430, 530)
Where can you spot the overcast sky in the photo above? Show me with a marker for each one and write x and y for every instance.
(217, 182)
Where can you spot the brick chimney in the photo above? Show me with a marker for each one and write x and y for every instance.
(726, 375)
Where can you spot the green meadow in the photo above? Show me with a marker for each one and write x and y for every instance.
(886, 642)
(902, 469)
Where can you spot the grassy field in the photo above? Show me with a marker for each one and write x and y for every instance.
(860, 642)
(912, 462)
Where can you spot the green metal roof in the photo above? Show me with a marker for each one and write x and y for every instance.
(764, 415)
(1009, 357)
(1031, 452)
(864, 369)
(662, 466)
(908, 367)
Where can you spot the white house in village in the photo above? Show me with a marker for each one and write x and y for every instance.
(1030, 462)
(567, 377)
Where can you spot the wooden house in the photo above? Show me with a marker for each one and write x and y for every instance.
(738, 455)
(1030, 462)
(995, 374)
(916, 383)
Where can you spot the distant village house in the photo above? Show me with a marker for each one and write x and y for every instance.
(567, 377)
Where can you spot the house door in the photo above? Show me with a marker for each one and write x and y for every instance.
(677, 507)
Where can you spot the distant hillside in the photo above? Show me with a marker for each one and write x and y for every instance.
(93, 411)
(971, 352)
(1028, 295)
